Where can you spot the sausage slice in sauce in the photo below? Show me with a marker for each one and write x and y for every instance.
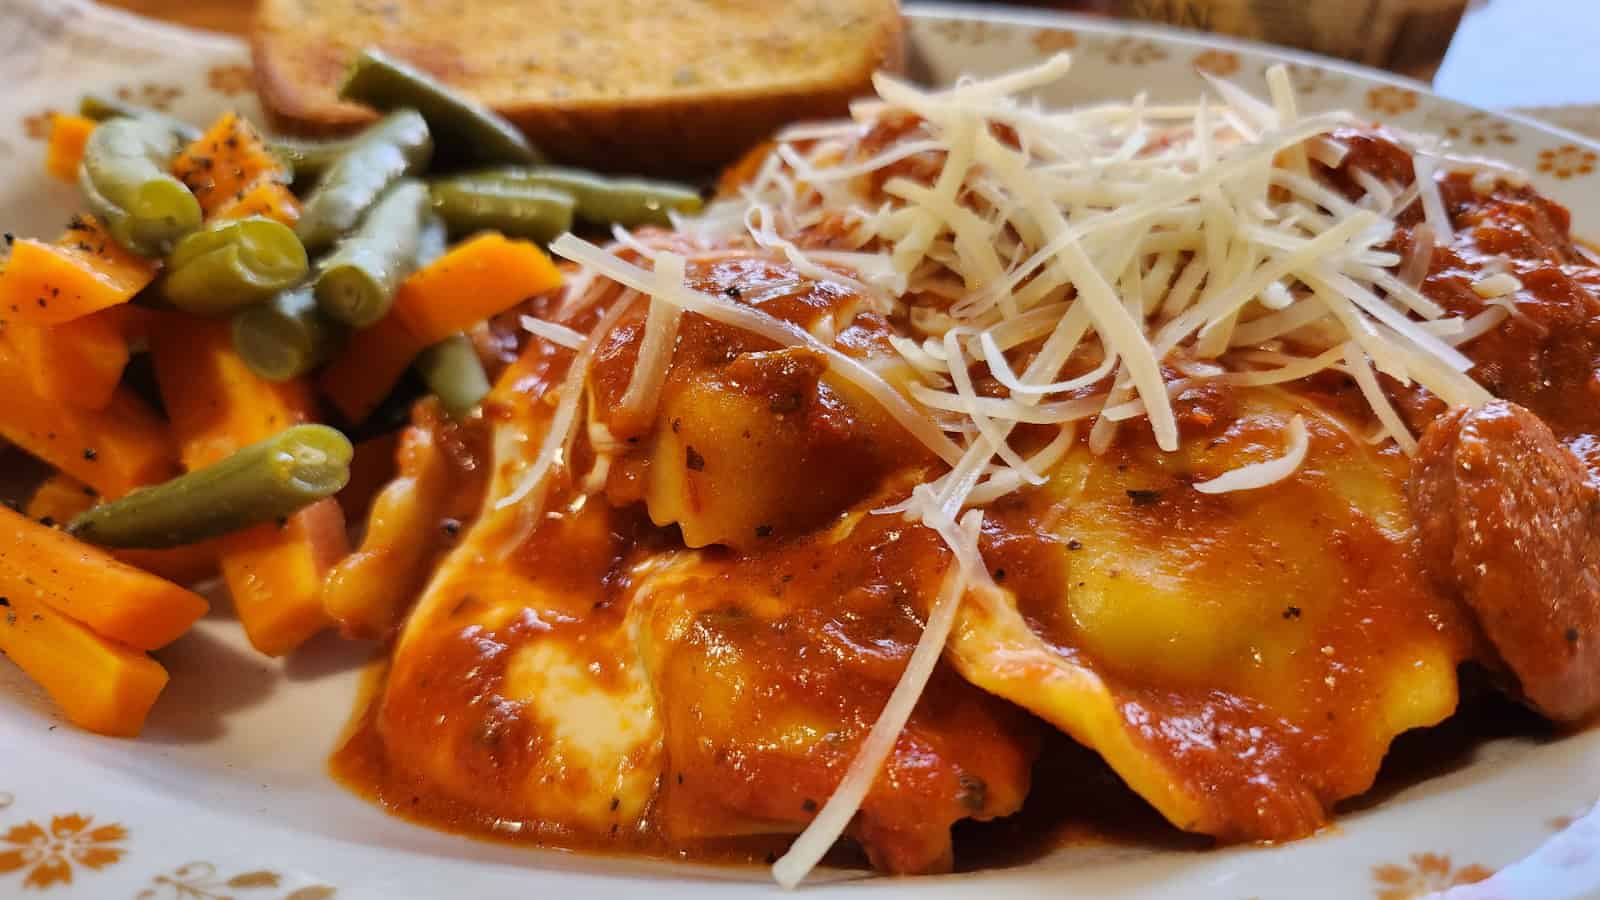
(1509, 521)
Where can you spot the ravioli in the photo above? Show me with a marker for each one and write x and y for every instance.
(1242, 660)
(516, 689)
(769, 670)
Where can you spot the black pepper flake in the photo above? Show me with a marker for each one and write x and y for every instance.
(999, 574)
(10, 239)
(693, 459)
(1572, 635)
(615, 802)
(763, 531)
(89, 454)
(808, 805)
(5, 601)
(451, 527)
(90, 492)
(680, 778)
(47, 521)
(1143, 496)
(1074, 544)
(1292, 612)
(732, 290)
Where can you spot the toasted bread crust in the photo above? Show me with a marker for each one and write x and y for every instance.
(626, 125)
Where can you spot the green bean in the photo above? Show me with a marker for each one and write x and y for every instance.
(232, 264)
(476, 133)
(434, 241)
(454, 374)
(101, 108)
(355, 284)
(518, 210)
(125, 178)
(285, 337)
(261, 483)
(309, 159)
(388, 151)
(629, 202)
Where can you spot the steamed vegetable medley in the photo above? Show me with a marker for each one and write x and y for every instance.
(266, 280)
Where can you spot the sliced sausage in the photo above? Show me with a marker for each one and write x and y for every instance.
(1509, 521)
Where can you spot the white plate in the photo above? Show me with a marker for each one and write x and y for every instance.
(227, 792)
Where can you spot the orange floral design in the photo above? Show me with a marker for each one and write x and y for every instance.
(1567, 161)
(1480, 129)
(1427, 872)
(1390, 100)
(1218, 62)
(230, 81)
(1310, 79)
(971, 32)
(200, 881)
(37, 126)
(155, 96)
(1054, 40)
(1134, 52)
(48, 856)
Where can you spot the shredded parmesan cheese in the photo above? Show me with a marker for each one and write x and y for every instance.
(554, 332)
(1261, 474)
(1092, 263)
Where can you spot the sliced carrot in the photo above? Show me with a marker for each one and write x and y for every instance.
(224, 161)
(87, 584)
(77, 363)
(113, 450)
(266, 196)
(100, 685)
(217, 405)
(82, 273)
(60, 497)
(479, 278)
(358, 379)
(273, 570)
(68, 135)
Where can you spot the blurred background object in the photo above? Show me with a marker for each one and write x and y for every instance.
(1534, 55)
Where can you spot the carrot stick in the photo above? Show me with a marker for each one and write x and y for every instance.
(83, 272)
(477, 279)
(77, 363)
(60, 497)
(113, 450)
(217, 405)
(87, 584)
(100, 685)
(358, 379)
(226, 160)
(266, 196)
(68, 135)
(275, 575)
